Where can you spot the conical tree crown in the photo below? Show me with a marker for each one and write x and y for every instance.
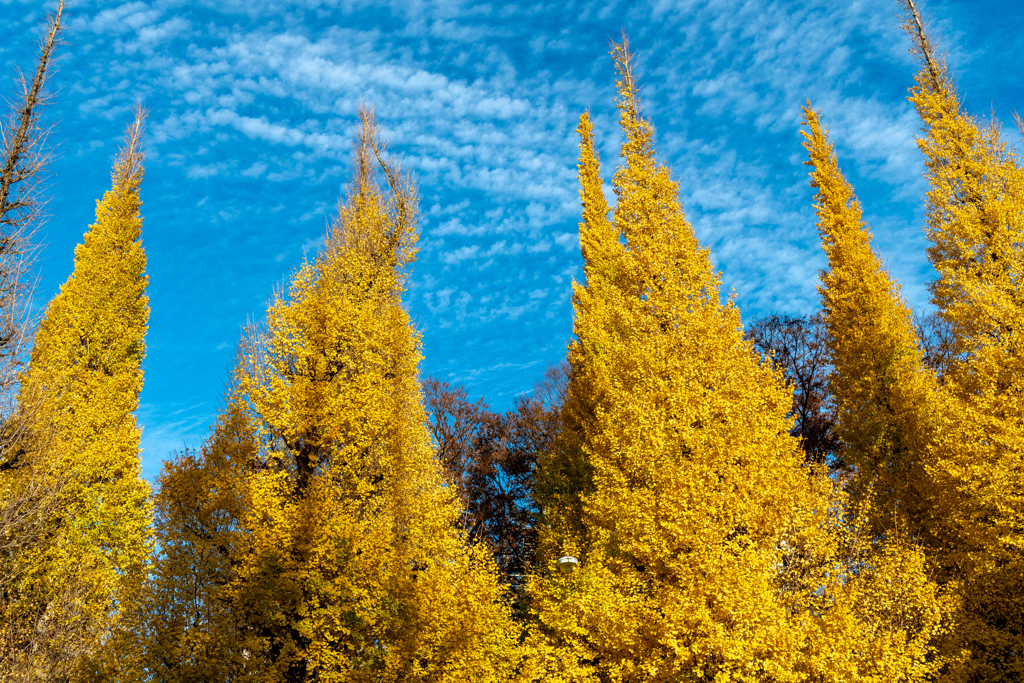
(345, 561)
(81, 391)
(91, 342)
(335, 371)
(885, 394)
(973, 213)
(676, 479)
(975, 221)
(887, 420)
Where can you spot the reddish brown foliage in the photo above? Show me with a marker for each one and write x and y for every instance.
(491, 457)
(798, 347)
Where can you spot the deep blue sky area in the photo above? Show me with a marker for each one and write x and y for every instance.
(253, 104)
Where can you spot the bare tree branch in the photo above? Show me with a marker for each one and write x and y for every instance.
(22, 160)
(22, 145)
(628, 64)
(923, 44)
(39, 636)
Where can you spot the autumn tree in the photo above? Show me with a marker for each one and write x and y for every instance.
(675, 481)
(976, 226)
(885, 394)
(83, 383)
(29, 491)
(315, 537)
(887, 399)
(26, 502)
(798, 346)
(491, 458)
(188, 624)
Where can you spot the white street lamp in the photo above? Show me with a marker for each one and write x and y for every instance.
(567, 564)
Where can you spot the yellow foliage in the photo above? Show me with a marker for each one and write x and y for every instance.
(82, 389)
(870, 611)
(707, 550)
(889, 411)
(886, 397)
(975, 221)
(315, 527)
(676, 479)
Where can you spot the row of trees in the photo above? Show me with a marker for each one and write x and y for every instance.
(836, 498)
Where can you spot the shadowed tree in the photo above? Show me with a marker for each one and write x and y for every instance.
(491, 458)
(798, 347)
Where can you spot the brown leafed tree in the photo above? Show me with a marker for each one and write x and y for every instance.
(798, 347)
(491, 458)
(455, 424)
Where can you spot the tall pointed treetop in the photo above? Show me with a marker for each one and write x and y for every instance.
(83, 386)
(975, 222)
(340, 554)
(675, 478)
(884, 392)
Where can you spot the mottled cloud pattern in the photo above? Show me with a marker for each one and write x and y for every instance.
(252, 107)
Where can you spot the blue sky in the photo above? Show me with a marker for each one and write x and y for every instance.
(253, 105)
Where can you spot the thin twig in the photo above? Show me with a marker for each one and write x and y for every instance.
(15, 153)
(627, 62)
(924, 45)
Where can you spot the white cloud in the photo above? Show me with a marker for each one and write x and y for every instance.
(567, 240)
(480, 101)
(256, 170)
(161, 32)
(198, 171)
(130, 16)
(461, 254)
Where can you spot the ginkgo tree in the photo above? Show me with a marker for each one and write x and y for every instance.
(321, 533)
(314, 536)
(885, 393)
(975, 222)
(82, 388)
(889, 407)
(707, 549)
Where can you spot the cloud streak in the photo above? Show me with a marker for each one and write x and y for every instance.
(253, 107)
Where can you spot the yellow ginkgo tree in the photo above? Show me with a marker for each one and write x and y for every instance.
(975, 222)
(889, 408)
(82, 390)
(314, 537)
(883, 390)
(707, 549)
(675, 482)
